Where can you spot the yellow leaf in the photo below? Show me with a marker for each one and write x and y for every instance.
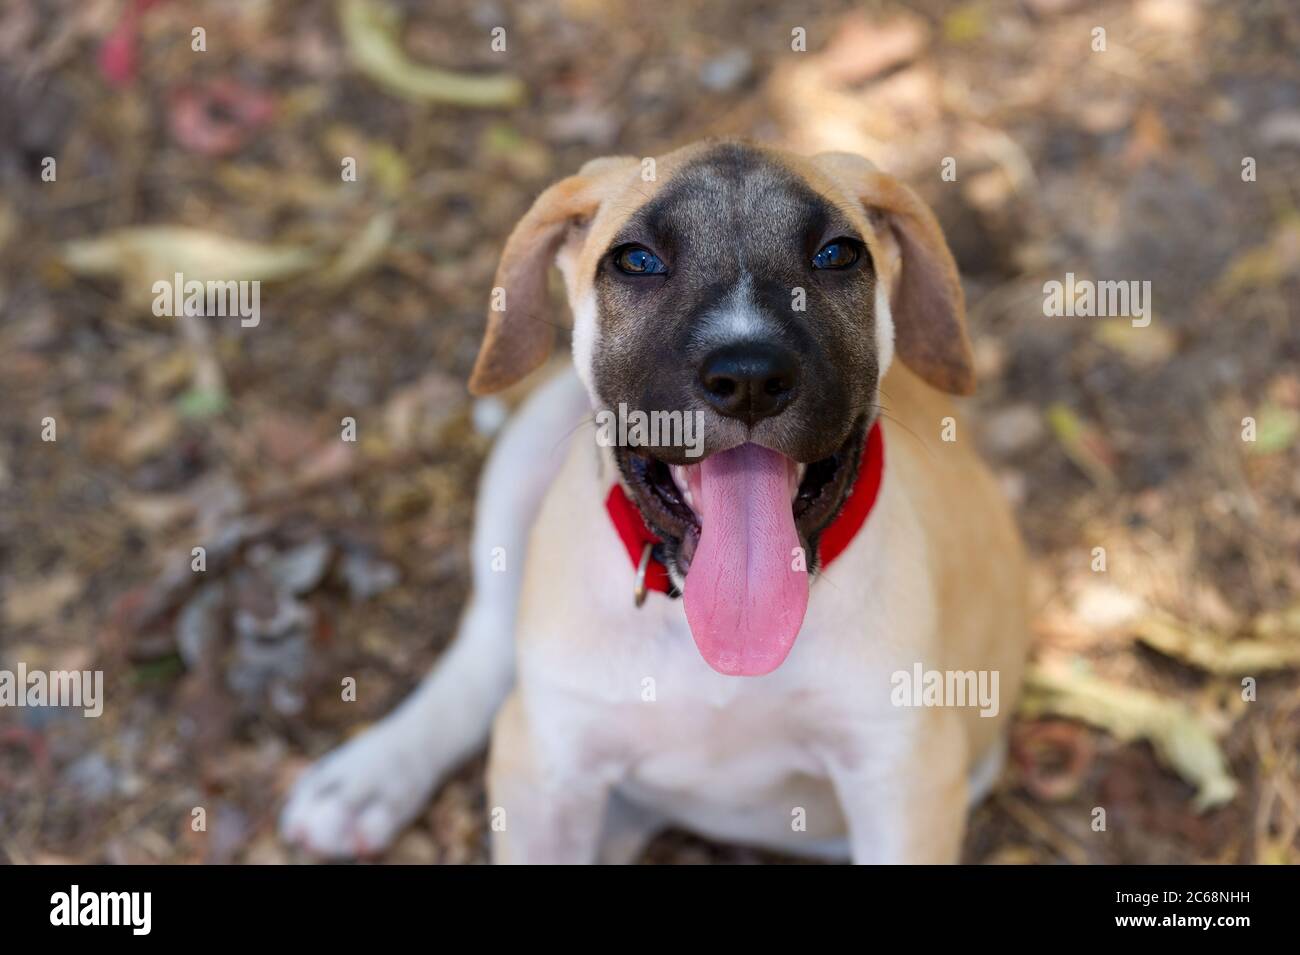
(1264, 266)
(1180, 737)
(370, 31)
(1212, 653)
(1142, 346)
(143, 255)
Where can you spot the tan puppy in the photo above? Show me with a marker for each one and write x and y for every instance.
(835, 624)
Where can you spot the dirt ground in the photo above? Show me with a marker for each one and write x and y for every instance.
(1170, 156)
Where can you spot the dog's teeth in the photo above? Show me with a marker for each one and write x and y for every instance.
(683, 485)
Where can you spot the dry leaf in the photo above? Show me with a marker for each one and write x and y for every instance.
(27, 604)
(1084, 444)
(1212, 653)
(1144, 347)
(1179, 736)
(1278, 623)
(370, 30)
(1264, 266)
(143, 255)
(363, 253)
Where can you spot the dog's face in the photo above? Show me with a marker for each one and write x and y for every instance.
(744, 300)
(741, 297)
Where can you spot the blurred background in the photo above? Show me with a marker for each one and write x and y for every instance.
(223, 154)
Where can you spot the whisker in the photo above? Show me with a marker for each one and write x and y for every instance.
(586, 420)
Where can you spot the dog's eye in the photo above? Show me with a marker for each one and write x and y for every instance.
(839, 254)
(635, 260)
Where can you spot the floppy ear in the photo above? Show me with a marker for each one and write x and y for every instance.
(928, 307)
(520, 331)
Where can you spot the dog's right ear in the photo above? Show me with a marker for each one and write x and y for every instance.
(520, 331)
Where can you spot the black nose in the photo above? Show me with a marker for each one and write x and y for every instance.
(750, 380)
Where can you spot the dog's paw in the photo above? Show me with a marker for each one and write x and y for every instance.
(354, 801)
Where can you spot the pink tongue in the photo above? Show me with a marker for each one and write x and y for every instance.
(744, 600)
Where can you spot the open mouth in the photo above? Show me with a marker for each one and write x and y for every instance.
(740, 531)
(663, 493)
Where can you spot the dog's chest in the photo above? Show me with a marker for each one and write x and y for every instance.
(741, 745)
(649, 697)
(729, 757)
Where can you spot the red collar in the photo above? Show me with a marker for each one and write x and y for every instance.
(639, 539)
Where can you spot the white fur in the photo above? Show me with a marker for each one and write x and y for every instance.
(584, 339)
(884, 329)
(736, 319)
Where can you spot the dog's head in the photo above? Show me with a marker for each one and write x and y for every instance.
(746, 303)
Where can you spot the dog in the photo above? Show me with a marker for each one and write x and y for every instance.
(723, 641)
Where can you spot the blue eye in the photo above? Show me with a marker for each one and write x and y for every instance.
(635, 260)
(839, 254)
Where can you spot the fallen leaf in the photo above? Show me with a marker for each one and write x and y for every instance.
(148, 436)
(1144, 347)
(1179, 736)
(1278, 623)
(157, 511)
(1275, 430)
(30, 603)
(143, 255)
(1213, 653)
(864, 47)
(370, 30)
(1102, 606)
(1084, 444)
(390, 169)
(362, 253)
(417, 415)
(1266, 265)
(199, 403)
(966, 23)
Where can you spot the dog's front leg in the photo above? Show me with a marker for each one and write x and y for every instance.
(906, 804)
(547, 796)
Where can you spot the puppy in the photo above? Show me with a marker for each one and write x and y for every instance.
(769, 635)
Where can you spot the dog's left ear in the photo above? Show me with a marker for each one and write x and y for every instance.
(928, 307)
(520, 331)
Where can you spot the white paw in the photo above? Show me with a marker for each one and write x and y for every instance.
(355, 800)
